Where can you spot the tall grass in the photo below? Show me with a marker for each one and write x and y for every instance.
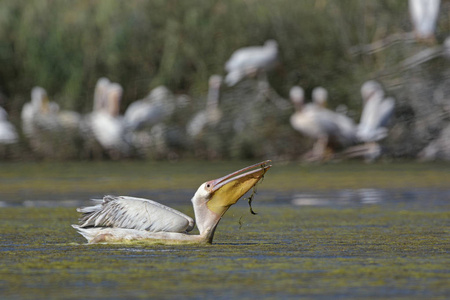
(65, 46)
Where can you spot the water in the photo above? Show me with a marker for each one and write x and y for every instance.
(342, 231)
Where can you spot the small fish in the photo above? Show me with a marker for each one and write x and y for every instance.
(250, 199)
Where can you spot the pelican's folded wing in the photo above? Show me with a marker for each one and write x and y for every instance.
(135, 213)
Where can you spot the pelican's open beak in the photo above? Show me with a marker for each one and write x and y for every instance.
(227, 190)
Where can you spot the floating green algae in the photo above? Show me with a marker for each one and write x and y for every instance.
(357, 251)
(284, 251)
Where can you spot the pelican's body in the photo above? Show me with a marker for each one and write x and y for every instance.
(118, 219)
(329, 129)
(105, 124)
(424, 15)
(8, 133)
(153, 109)
(50, 131)
(372, 127)
(376, 113)
(250, 60)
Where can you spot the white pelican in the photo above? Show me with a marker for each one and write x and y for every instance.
(118, 219)
(377, 110)
(157, 106)
(107, 125)
(250, 60)
(49, 129)
(424, 15)
(8, 133)
(101, 93)
(212, 114)
(347, 128)
(328, 129)
(376, 113)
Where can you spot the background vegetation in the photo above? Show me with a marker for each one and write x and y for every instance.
(65, 46)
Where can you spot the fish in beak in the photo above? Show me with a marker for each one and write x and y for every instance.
(227, 190)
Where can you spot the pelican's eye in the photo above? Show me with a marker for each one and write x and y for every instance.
(208, 185)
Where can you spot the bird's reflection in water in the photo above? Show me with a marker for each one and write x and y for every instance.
(340, 197)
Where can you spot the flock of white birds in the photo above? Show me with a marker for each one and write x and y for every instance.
(44, 123)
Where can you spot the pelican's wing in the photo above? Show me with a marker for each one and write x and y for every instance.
(385, 111)
(135, 213)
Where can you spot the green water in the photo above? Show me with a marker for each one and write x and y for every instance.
(384, 250)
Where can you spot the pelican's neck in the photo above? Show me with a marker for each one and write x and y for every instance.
(212, 101)
(206, 221)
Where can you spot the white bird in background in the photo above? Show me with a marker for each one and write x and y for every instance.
(306, 121)
(101, 94)
(377, 111)
(107, 125)
(48, 128)
(347, 128)
(8, 133)
(424, 15)
(39, 104)
(251, 60)
(212, 114)
(153, 109)
(119, 219)
(329, 130)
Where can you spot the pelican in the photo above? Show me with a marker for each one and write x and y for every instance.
(8, 133)
(377, 110)
(424, 14)
(49, 129)
(376, 113)
(107, 125)
(328, 129)
(119, 219)
(347, 128)
(158, 105)
(249, 60)
(212, 114)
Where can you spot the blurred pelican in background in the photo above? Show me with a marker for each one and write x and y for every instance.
(51, 132)
(155, 125)
(211, 115)
(377, 111)
(8, 133)
(347, 127)
(330, 131)
(249, 61)
(107, 125)
(424, 15)
(101, 94)
(372, 127)
(157, 106)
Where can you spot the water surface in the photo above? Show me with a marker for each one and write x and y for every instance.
(321, 232)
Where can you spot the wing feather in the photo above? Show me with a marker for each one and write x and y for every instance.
(135, 213)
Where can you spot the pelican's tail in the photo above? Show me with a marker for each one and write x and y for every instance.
(88, 233)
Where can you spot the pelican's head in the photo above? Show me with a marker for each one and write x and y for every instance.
(39, 100)
(100, 93)
(370, 89)
(213, 198)
(297, 96)
(320, 96)
(271, 44)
